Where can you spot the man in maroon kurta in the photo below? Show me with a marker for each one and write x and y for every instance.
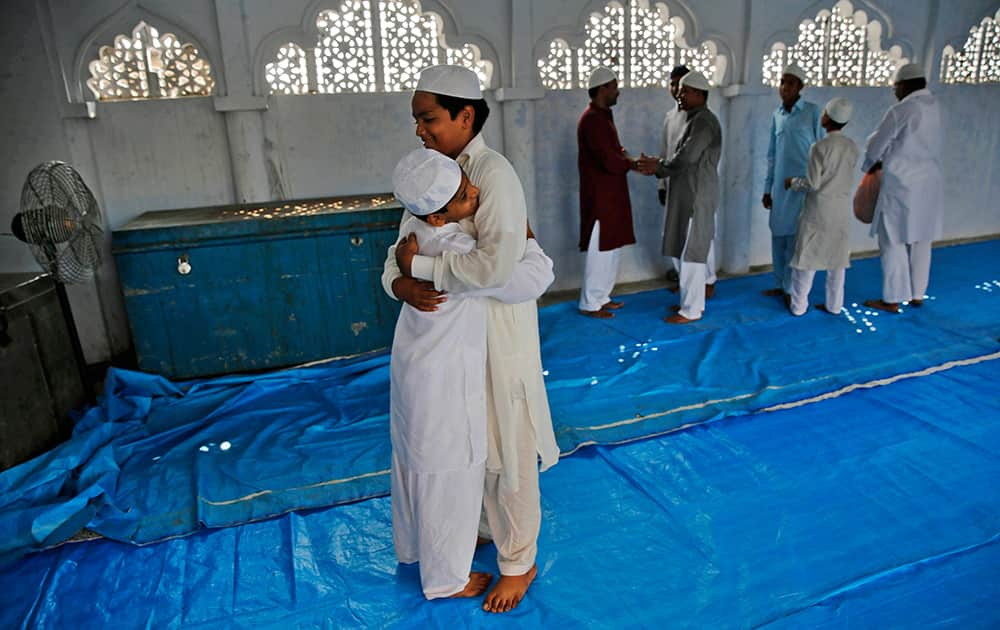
(605, 209)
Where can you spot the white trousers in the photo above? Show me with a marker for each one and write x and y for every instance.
(434, 522)
(600, 270)
(512, 519)
(782, 251)
(801, 284)
(693, 278)
(906, 269)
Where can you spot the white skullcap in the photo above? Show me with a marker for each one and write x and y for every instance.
(600, 76)
(839, 110)
(424, 181)
(796, 71)
(450, 81)
(908, 72)
(694, 80)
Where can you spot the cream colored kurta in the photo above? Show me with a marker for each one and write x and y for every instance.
(908, 143)
(824, 228)
(513, 349)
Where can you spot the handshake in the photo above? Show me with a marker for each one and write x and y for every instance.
(646, 164)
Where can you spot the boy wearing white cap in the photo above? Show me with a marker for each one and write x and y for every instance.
(909, 211)
(794, 128)
(605, 207)
(449, 111)
(437, 417)
(823, 237)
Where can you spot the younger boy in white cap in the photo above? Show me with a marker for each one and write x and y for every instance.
(794, 128)
(823, 236)
(438, 412)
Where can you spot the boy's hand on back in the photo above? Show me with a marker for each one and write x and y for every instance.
(405, 252)
(419, 294)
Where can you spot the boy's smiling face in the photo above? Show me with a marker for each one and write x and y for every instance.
(462, 206)
(435, 126)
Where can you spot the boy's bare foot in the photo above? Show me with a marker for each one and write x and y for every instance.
(889, 307)
(678, 319)
(477, 585)
(597, 314)
(772, 292)
(611, 305)
(509, 591)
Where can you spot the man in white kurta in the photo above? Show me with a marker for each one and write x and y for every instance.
(437, 392)
(908, 214)
(823, 236)
(519, 426)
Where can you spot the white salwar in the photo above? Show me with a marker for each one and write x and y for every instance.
(517, 404)
(600, 270)
(909, 211)
(438, 415)
(693, 278)
(802, 281)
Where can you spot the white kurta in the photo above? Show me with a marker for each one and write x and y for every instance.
(908, 143)
(438, 415)
(823, 235)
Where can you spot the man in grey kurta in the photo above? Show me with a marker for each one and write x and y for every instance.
(824, 228)
(693, 195)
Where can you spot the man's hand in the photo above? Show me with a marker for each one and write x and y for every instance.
(661, 194)
(419, 294)
(405, 252)
(530, 233)
(788, 183)
(877, 166)
(766, 200)
(647, 165)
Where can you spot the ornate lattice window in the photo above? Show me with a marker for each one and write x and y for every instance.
(149, 65)
(370, 46)
(979, 59)
(840, 47)
(640, 42)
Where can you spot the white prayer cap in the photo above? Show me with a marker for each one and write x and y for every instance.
(796, 71)
(450, 81)
(839, 110)
(694, 80)
(908, 72)
(424, 181)
(600, 76)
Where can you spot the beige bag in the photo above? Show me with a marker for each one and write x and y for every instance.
(867, 196)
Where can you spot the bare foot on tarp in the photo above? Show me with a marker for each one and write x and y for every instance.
(482, 540)
(889, 307)
(477, 585)
(509, 591)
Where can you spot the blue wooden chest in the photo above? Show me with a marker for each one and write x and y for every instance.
(239, 288)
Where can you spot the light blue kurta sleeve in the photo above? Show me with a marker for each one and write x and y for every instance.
(769, 177)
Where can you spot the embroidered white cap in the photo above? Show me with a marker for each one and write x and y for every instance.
(796, 71)
(694, 80)
(908, 72)
(839, 110)
(424, 181)
(601, 75)
(450, 80)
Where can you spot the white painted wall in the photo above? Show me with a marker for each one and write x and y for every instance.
(242, 145)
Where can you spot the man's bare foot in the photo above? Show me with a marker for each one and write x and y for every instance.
(509, 591)
(611, 305)
(674, 289)
(482, 540)
(917, 303)
(821, 307)
(709, 291)
(476, 586)
(772, 292)
(678, 319)
(598, 314)
(889, 307)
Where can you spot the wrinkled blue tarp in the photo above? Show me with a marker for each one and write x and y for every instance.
(876, 509)
(157, 459)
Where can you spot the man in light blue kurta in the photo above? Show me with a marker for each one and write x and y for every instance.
(795, 127)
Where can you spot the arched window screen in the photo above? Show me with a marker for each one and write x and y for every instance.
(149, 65)
(370, 46)
(979, 59)
(840, 47)
(641, 43)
